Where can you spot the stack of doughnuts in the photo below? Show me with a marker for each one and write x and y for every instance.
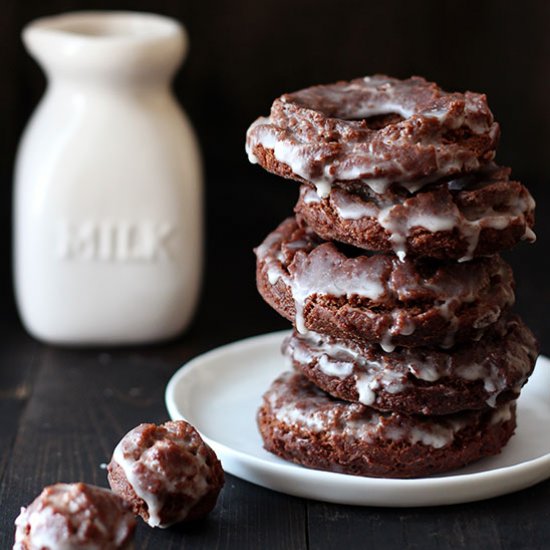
(405, 357)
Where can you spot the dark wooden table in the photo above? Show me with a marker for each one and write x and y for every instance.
(63, 410)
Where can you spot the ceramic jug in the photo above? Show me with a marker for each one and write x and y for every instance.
(108, 184)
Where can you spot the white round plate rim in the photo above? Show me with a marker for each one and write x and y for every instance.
(343, 488)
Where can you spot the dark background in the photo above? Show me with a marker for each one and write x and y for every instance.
(63, 410)
(244, 54)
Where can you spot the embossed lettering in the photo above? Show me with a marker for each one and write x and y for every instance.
(110, 241)
(77, 241)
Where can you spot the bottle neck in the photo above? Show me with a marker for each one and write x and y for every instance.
(107, 49)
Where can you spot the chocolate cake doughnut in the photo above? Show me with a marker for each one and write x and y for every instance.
(458, 218)
(426, 381)
(350, 294)
(372, 132)
(300, 423)
(72, 516)
(407, 360)
(166, 473)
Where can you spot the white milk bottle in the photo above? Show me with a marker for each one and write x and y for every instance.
(108, 185)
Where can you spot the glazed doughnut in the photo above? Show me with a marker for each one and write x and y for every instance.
(166, 473)
(474, 375)
(460, 218)
(372, 132)
(377, 298)
(73, 516)
(300, 423)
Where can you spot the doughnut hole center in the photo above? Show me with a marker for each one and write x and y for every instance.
(377, 122)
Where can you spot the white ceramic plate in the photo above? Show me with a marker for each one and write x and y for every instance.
(219, 393)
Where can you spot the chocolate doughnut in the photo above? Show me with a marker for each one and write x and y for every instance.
(72, 516)
(377, 298)
(166, 473)
(420, 380)
(300, 423)
(372, 132)
(475, 215)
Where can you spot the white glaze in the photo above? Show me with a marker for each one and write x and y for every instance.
(529, 235)
(503, 413)
(340, 369)
(320, 271)
(347, 209)
(310, 412)
(400, 225)
(343, 359)
(318, 276)
(386, 342)
(196, 484)
(43, 535)
(288, 414)
(437, 436)
(365, 387)
(425, 370)
(400, 325)
(303, 158)
(128, 467)
(321, 276)
(40, 528)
